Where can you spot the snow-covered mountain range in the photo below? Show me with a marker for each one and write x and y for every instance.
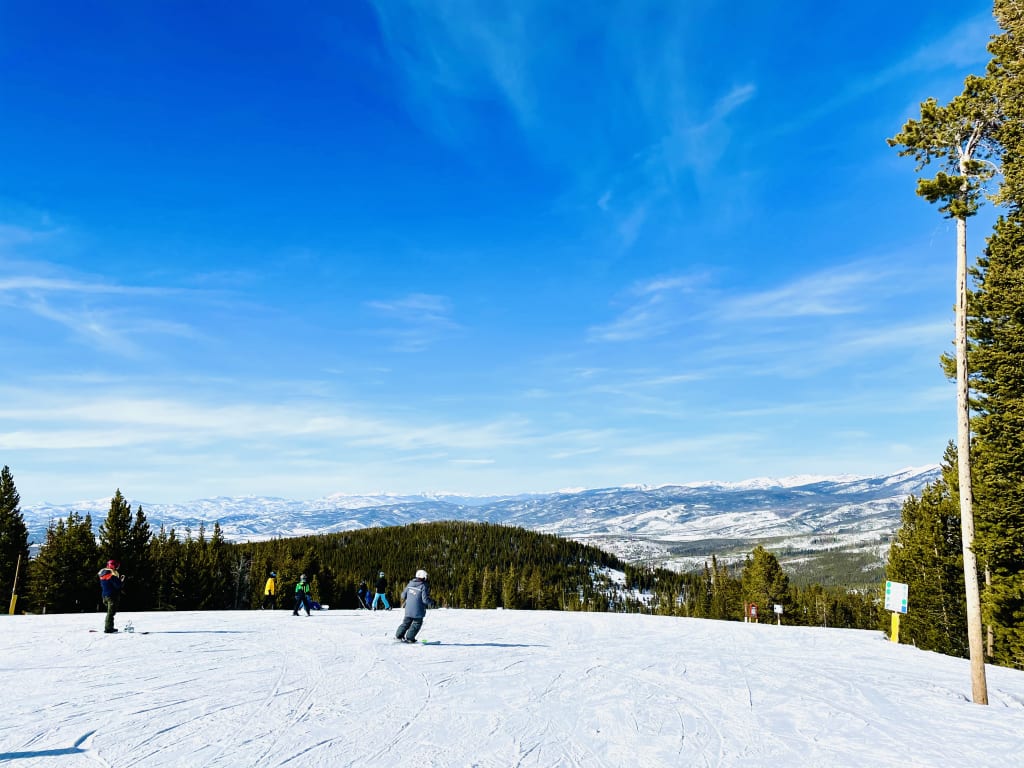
(637, 522)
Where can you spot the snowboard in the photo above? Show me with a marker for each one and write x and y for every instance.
(120, 632)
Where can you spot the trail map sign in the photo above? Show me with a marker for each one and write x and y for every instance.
(896, 596)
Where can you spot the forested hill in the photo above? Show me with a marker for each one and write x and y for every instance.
(483, 565)
(470, 564)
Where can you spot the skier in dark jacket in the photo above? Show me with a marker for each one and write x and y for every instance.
(110, 588)
(381, 588)
(363, 594)
(302, 596)
(416, 599)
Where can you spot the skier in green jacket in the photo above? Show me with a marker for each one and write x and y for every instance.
(302, 596)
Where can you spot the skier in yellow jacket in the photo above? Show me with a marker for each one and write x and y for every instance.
(270, 592)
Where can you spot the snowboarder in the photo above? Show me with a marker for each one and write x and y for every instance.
(363, 595)
(302, 596)
(270, 592)
(416, 599)
(110, 587)
(381, 588)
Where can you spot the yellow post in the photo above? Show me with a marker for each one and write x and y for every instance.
(894, 630)
(14, 586)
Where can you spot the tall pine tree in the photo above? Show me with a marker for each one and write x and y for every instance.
(13, 533)
(140, 596)
(961, 137)
(116, 531)
(996, 328)
(764, 582)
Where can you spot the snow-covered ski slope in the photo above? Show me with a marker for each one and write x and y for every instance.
(504, 688)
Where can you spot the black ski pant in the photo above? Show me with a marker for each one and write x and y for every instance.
(302, 601)
(409, 628)
(111, 602)
(270, 601)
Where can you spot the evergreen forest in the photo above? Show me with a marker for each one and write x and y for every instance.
(968, 528)
(471, 565)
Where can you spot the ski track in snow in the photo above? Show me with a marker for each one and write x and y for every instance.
(504, 688)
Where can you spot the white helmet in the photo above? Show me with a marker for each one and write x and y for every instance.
(421, 574)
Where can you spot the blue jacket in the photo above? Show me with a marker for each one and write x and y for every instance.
(110, 582)
(416, 597)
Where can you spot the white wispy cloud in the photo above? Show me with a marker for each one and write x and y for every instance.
(13, 236)
(842, 290)
(731, 101)
(417, 320)
(453, 53)
(654, 309)
(32, 284)
(562, 455)
(637, 322)
(660, 285)
(680, 143)
(817, 295)
(735, 442)
(661, 304)
(119, 328)
(73, 418)
(962, 46)
(622, 146)
(933, 335)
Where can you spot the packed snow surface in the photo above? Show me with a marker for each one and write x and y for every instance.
(503, 688)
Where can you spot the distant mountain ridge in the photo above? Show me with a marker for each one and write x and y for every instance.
(636, 522)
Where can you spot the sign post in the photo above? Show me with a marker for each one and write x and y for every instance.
(896, 601)
(778, 614)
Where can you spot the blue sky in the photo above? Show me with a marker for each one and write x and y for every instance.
(475, 247)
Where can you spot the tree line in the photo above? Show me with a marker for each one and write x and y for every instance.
(471, 565)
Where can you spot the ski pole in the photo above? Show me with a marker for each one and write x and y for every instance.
(14, 586)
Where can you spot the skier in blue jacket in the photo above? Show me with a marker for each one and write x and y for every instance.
(110, 588)
(416, 599)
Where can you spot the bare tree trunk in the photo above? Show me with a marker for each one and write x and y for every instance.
(979, 688)
(989, 638)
